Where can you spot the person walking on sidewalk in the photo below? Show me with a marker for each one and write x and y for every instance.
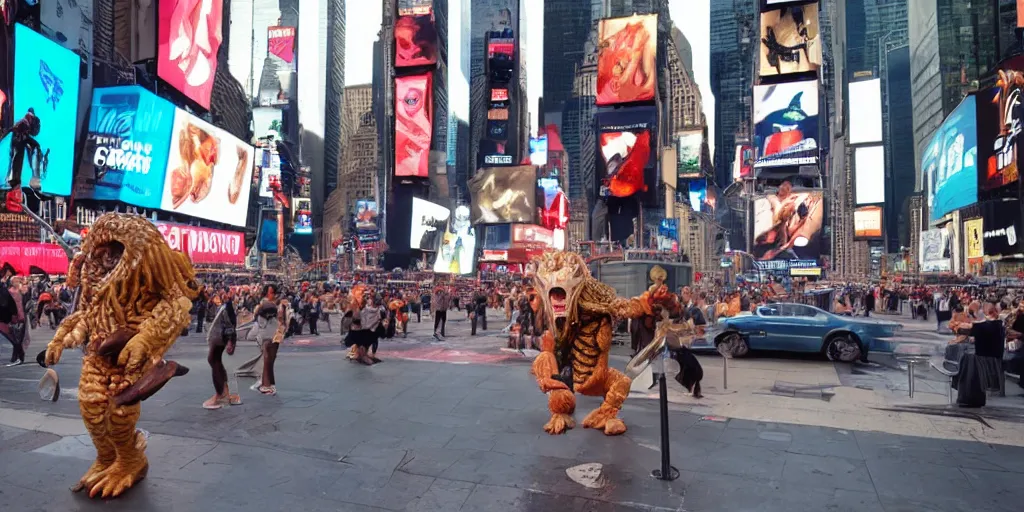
(222, 338)
(477, 310)
(313, 310)
(18, 325)
(8, 316)
(439, 304)
(200, 306)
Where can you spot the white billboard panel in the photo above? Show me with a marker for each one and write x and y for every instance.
(869, 168)
(866, 111)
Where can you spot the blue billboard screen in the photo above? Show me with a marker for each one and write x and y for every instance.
(698, 194)
(950, 162)
(126, 151)
(40, 145)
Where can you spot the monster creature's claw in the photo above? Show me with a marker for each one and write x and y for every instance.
(547, 342)
(91, 476)
(559, 423)
(53, 353)
(119, 477)
(115, 343)
(150, 383)
(604, 418)
(132, 356)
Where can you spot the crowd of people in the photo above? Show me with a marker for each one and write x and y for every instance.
(370, 306)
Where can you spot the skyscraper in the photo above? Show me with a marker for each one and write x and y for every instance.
(733, 31)
(358, 169)
(566, 28)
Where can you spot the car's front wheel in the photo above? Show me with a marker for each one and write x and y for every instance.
(842, 348)
(733, 345)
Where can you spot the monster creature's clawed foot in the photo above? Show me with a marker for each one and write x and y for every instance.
(559, 424)
(150, 383)
(119, 477)
(604, 418)
(89, 478)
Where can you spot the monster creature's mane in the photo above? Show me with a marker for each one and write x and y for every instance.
(147, 272)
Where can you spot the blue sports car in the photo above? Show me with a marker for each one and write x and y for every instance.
(799, 328)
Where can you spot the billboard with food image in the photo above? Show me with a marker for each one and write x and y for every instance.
(790, 40)
(786, 124)
(787, 224)
(413, 118)
(504, 194)
(627, 59)
(209, 172)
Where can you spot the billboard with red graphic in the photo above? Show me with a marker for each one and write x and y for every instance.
(281, 42)
(189, 36)
(205, 246)
(413, 118)
(415, 41)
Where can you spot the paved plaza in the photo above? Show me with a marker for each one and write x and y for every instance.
(457, 426)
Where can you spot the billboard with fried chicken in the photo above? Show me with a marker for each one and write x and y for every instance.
(627, 59)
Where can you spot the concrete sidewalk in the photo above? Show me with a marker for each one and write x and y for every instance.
(412, 435)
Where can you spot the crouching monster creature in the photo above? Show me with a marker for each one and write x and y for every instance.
(134, 301)
(574, 351)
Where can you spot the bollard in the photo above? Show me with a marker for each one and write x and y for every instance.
(666, 472)
(725, 372)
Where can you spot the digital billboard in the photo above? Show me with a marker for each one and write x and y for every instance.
(429, 222)
(698, 193)
(413, 118)
(999, 126)
(790, 40)
(127, 147)
(209, 172)
(869, 168)
(787, 225)
(539, 150)
(867, 222)
(626, 139)
(205, 245)
(504, 194)
(415, 41)
(302, 216)
(743, 165)
(950, 162)
(688, 150)
(189, 37)
(531, 235)
(268, 239)
(499, 95)
(866, 111)
(366, 217)
(627, 59)
(269, 166)
(786, 124)
(281, 43)
(974, 238)
(458, 248)
(1002, 234)
(38, 152)
(412, 7)
(935, 251)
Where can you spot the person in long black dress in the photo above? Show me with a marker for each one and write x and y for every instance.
(983, 370)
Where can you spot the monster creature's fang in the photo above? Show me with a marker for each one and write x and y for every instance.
(150, 383)
(557, 297)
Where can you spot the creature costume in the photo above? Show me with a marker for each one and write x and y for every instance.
(575, 357)
(136, 294)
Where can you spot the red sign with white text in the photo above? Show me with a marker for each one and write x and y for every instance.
(205, 245)
(499, 94)
(531, 235)
(281, 42)
(189, 37)
(49, 258)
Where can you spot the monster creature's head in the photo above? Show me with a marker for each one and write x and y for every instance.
(124, 257)
(559, 279)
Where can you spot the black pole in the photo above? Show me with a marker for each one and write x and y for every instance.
(667, 472)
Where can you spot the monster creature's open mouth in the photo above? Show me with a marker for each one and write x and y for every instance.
(557, 298)
(106, 256)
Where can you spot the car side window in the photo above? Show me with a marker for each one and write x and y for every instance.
(768, 311)
(804, 311)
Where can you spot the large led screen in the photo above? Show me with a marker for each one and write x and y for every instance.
(974, 239)
(415, 41)
(786, 124)
(688, 146)
(787, 225)
(410, 7)
(429, 222)
(743, 165)
(38, 152)
(950, 162)
(126, 148)
(366, 217)
(281, 43)
(626, 140)
(302, 216)
(866, 111)
(627, 59)
(189, 37)
(413, 106)
(458, 249)
(790, 40)
(999, 125)
(869, 165)
(209, 172)
(1002, 221)
(205, 245)
(867, 222)
(698, 194)
(504, 194)
(935, 251)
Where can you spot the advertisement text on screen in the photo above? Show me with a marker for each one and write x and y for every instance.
(497, 114)
(498, 159)
(499, 94)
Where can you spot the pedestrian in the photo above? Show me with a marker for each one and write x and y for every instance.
(277, 315)
(314, 308)
(364, 334)
(439, 305)
(8, 314)
(200, 306)
(222, 338)
(18, 324)
(477, 311)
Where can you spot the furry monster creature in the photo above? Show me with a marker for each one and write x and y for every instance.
(134, 302)
(574, 357)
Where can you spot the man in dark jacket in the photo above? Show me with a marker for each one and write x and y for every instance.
(478, 311)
